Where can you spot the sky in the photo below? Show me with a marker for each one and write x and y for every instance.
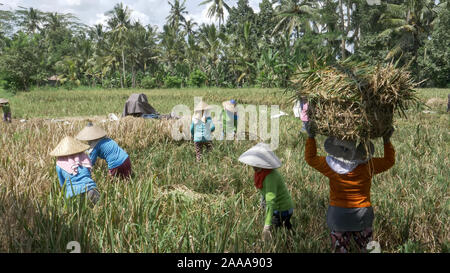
(91, 12)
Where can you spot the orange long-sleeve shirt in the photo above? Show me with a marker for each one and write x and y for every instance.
(350, 190)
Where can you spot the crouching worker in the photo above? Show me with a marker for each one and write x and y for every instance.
(4, 104)
(350, 169)
(201, 128)
(73, 167)
(118, 161)
(278, 202)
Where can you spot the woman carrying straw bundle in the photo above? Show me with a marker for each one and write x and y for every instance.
(118, 161)
(201, 128)
(300, 110)
(73, 167)
(278, 202)
(229, 117)
(350, 169)
(304, 112)
(4, 104)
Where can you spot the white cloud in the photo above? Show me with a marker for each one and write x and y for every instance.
(254, 4)
(90, 12)
(202, 17)
(101, 18)
(141, 17)
(69, 2)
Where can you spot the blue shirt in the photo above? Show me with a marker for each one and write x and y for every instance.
(201, 131)
(76, 184)
(110, 151)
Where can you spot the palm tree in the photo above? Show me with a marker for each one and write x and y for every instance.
(172, 46)
(54, 21)
(176, 14)
(6, 22)
(407, 24)
(298, 16)
(189, 26)
(120, 21)
(30, 19)
(216, 9)
(211, 45)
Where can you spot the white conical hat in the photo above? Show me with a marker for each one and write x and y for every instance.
(2, 100)
(69, 146)
(90, 132)
(260, 156)
(202, 106)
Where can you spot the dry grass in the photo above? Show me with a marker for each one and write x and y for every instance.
(173, 204)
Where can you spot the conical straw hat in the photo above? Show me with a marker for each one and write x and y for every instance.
(202, 106)
(229, 106)
(260, 156)
(69, 146)
(90, 132)
(2, 100)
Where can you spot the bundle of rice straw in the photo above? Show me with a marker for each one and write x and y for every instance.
(353, 100)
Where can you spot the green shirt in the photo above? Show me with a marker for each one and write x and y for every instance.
(276, 194)
(6, 108)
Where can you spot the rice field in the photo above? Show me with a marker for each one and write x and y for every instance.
(173, 204)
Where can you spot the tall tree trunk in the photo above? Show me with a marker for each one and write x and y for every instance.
(341, 14)
(123, 69)
(349, 7)
(133, 77)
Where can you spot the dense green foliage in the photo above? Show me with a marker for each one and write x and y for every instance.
(245, 49)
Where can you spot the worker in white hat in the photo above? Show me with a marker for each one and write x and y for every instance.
(118, 161)
(277, 199)
(73, 167)
(202, 127)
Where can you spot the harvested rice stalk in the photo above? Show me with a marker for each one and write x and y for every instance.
(352, 100)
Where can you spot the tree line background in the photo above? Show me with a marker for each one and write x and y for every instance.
(261, 49)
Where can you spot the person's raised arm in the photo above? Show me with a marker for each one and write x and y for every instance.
(317, 162)
(381, 164)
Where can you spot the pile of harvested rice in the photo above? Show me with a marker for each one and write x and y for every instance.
(351, 100)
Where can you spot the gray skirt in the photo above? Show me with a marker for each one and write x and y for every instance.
(349, 219)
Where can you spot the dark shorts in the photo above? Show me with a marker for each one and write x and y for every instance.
(282, 219)
(123, 171)
(7, 117)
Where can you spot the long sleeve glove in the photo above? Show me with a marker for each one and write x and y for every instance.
(309, 130)
(267, 235)
(388, 134)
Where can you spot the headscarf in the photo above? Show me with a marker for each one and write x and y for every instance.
(199, 117)
(71, 163)
(260, 176)
(342, 166)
